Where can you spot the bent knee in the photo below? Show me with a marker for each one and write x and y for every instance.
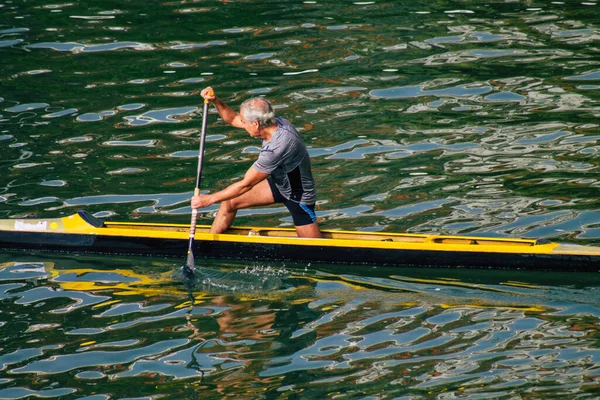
(309, 231)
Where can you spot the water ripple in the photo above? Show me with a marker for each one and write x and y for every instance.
(64, 363)
(22, 392)
(169, 115)
(90, 48)
(417, 91)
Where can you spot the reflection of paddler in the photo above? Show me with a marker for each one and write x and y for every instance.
(242, 318)
(282, 173)
(257, 314)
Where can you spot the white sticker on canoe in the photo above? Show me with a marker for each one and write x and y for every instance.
(31, 226)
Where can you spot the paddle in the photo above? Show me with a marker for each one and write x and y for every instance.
(189, 267)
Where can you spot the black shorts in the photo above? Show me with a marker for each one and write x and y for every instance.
(302, 214)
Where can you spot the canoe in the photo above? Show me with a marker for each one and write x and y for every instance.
(83, 233)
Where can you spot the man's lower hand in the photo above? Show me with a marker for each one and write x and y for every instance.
(201, 201)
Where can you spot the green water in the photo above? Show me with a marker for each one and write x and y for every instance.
(441, 116)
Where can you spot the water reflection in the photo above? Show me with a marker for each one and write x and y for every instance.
(590, 76)
(417, 91)
(85, 48)
(410, 331)
(172, 115)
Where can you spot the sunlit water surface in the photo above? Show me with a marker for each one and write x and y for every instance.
(452, 117)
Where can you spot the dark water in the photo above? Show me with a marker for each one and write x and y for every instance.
(439, 116)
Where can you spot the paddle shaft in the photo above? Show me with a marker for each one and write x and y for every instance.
(190, 259)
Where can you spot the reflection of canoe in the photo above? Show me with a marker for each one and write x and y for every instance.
(82, 232)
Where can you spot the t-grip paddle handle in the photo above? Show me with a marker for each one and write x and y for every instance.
(209, 93)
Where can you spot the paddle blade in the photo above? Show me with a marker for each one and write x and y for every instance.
(189, 267)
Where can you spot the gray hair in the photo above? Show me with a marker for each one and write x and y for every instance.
(258, 109)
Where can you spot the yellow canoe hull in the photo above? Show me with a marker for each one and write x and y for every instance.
(81, 232)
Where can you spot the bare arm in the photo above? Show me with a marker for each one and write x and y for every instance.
(251, 179)
(228, 115)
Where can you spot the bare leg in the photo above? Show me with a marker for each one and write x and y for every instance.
(259, 195)
(308, 231)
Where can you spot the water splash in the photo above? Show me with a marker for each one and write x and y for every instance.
(256, 279)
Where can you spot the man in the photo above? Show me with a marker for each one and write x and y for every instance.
(281, 174)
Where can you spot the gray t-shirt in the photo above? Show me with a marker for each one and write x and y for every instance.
(286, 159)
